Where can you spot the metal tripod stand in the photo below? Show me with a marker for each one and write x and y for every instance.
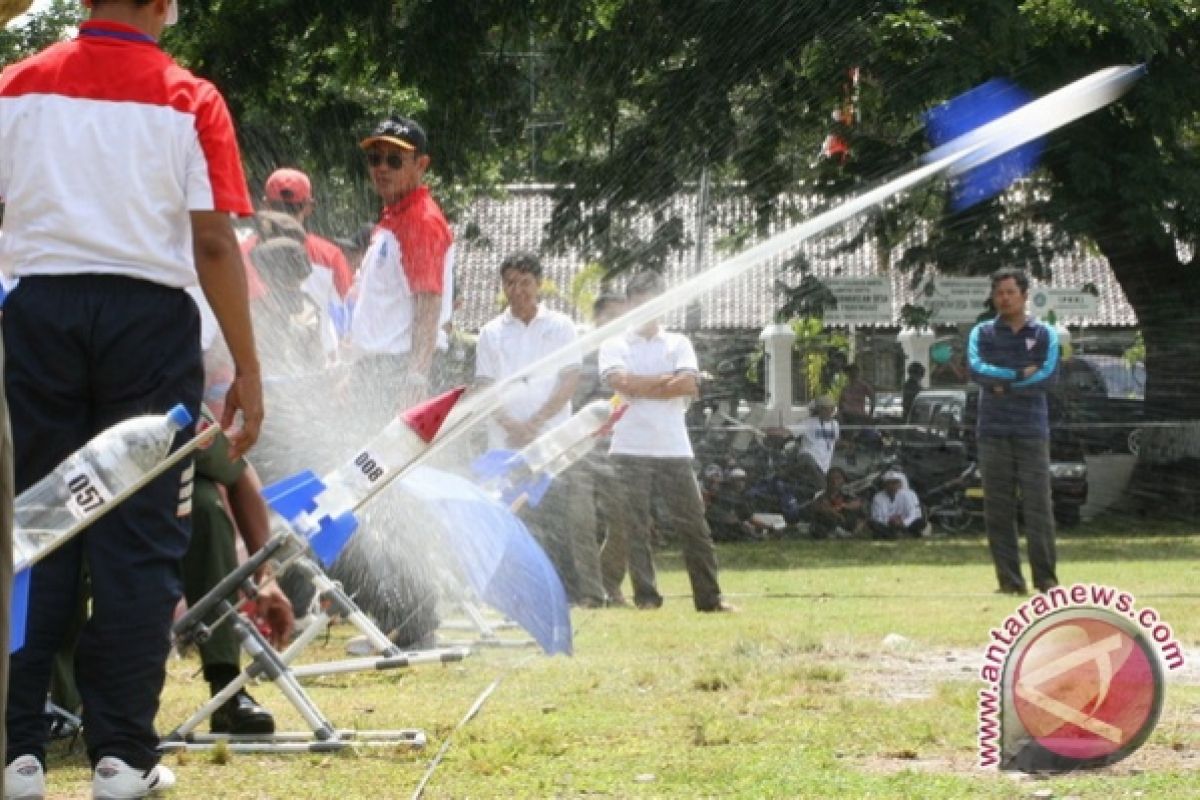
(287, 551)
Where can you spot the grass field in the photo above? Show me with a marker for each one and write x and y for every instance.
(797, 696)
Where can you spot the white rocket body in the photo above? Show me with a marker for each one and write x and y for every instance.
(563, 445)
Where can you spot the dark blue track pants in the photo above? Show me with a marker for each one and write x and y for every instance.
(85, 352)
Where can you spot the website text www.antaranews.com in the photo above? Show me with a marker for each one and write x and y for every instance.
(1077, 596)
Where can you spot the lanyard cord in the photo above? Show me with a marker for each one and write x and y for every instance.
(124, 36)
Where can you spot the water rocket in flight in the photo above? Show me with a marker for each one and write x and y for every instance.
(956, 157)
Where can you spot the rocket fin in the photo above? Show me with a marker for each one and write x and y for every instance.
(494, 463)
(18, 610)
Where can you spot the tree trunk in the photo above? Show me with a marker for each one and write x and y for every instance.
(1165, 294)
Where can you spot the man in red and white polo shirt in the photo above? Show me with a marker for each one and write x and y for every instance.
(120, 171)
(289, 191)
(405, 279)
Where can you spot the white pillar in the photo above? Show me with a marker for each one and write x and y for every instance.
(777, 365)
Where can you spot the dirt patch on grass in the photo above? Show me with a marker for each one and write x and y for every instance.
(906, 671)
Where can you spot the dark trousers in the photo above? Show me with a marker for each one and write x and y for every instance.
(549, 522)
(825, 519)
(211, 555)
(614, 559)
(1007, 464)
(6, 565)
(564, 524)
(86, 352)
(670, 479)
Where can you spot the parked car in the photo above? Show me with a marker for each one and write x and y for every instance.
(940, 445)
(1102, 402)
(889, 406)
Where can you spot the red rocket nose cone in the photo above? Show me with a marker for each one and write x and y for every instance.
(426, 418)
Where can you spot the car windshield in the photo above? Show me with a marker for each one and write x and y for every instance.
(1121, 379)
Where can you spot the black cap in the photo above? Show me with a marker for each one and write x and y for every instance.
(400, 131)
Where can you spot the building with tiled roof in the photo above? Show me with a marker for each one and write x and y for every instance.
(493, 227)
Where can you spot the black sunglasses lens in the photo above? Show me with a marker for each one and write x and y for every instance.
(394, 161)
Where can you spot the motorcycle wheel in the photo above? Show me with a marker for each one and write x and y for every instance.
(952, 516)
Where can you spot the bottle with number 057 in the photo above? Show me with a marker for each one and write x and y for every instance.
(91, 477)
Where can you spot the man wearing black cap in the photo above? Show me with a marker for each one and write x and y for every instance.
(405, 281)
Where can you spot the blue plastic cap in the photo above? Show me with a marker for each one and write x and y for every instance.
(179, 416)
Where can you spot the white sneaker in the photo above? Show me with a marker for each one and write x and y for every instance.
(116, 780)
(24, 779)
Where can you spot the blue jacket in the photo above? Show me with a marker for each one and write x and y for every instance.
(996, 355)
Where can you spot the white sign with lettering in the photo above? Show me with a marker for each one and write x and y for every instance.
(859, 301)
(954, 300)
(1065, 303)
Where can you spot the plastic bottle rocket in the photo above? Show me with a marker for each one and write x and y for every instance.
(527, 473)
(88, 479)
(322, 510)
(87, 483)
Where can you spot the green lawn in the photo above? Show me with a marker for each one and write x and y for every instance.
(794, 697)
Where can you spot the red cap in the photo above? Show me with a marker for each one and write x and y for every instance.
(426, 418)
(288, 186)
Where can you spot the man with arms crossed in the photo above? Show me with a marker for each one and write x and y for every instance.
(1014, 359)
(120, 170)
(655, 371)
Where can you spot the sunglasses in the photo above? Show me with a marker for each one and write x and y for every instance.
(394, 160)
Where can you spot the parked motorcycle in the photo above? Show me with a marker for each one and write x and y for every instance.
(956, 505)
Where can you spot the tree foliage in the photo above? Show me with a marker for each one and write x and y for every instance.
(307, 80)
(57, 21)
(623, 104)
(745, 90)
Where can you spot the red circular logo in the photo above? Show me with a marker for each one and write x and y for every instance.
(1088, 688)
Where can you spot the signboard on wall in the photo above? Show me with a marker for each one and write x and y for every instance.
(860, 301)
(954, 300)
(1065, 303)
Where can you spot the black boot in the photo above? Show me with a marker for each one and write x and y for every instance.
(242, 715)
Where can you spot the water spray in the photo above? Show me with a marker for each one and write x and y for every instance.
(955, 158)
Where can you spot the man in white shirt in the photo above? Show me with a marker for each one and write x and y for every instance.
(100, 329)
(656, 372)
(820, 433)
(895, 509)
(525, 332)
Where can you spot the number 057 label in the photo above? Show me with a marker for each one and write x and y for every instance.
(87, 491)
